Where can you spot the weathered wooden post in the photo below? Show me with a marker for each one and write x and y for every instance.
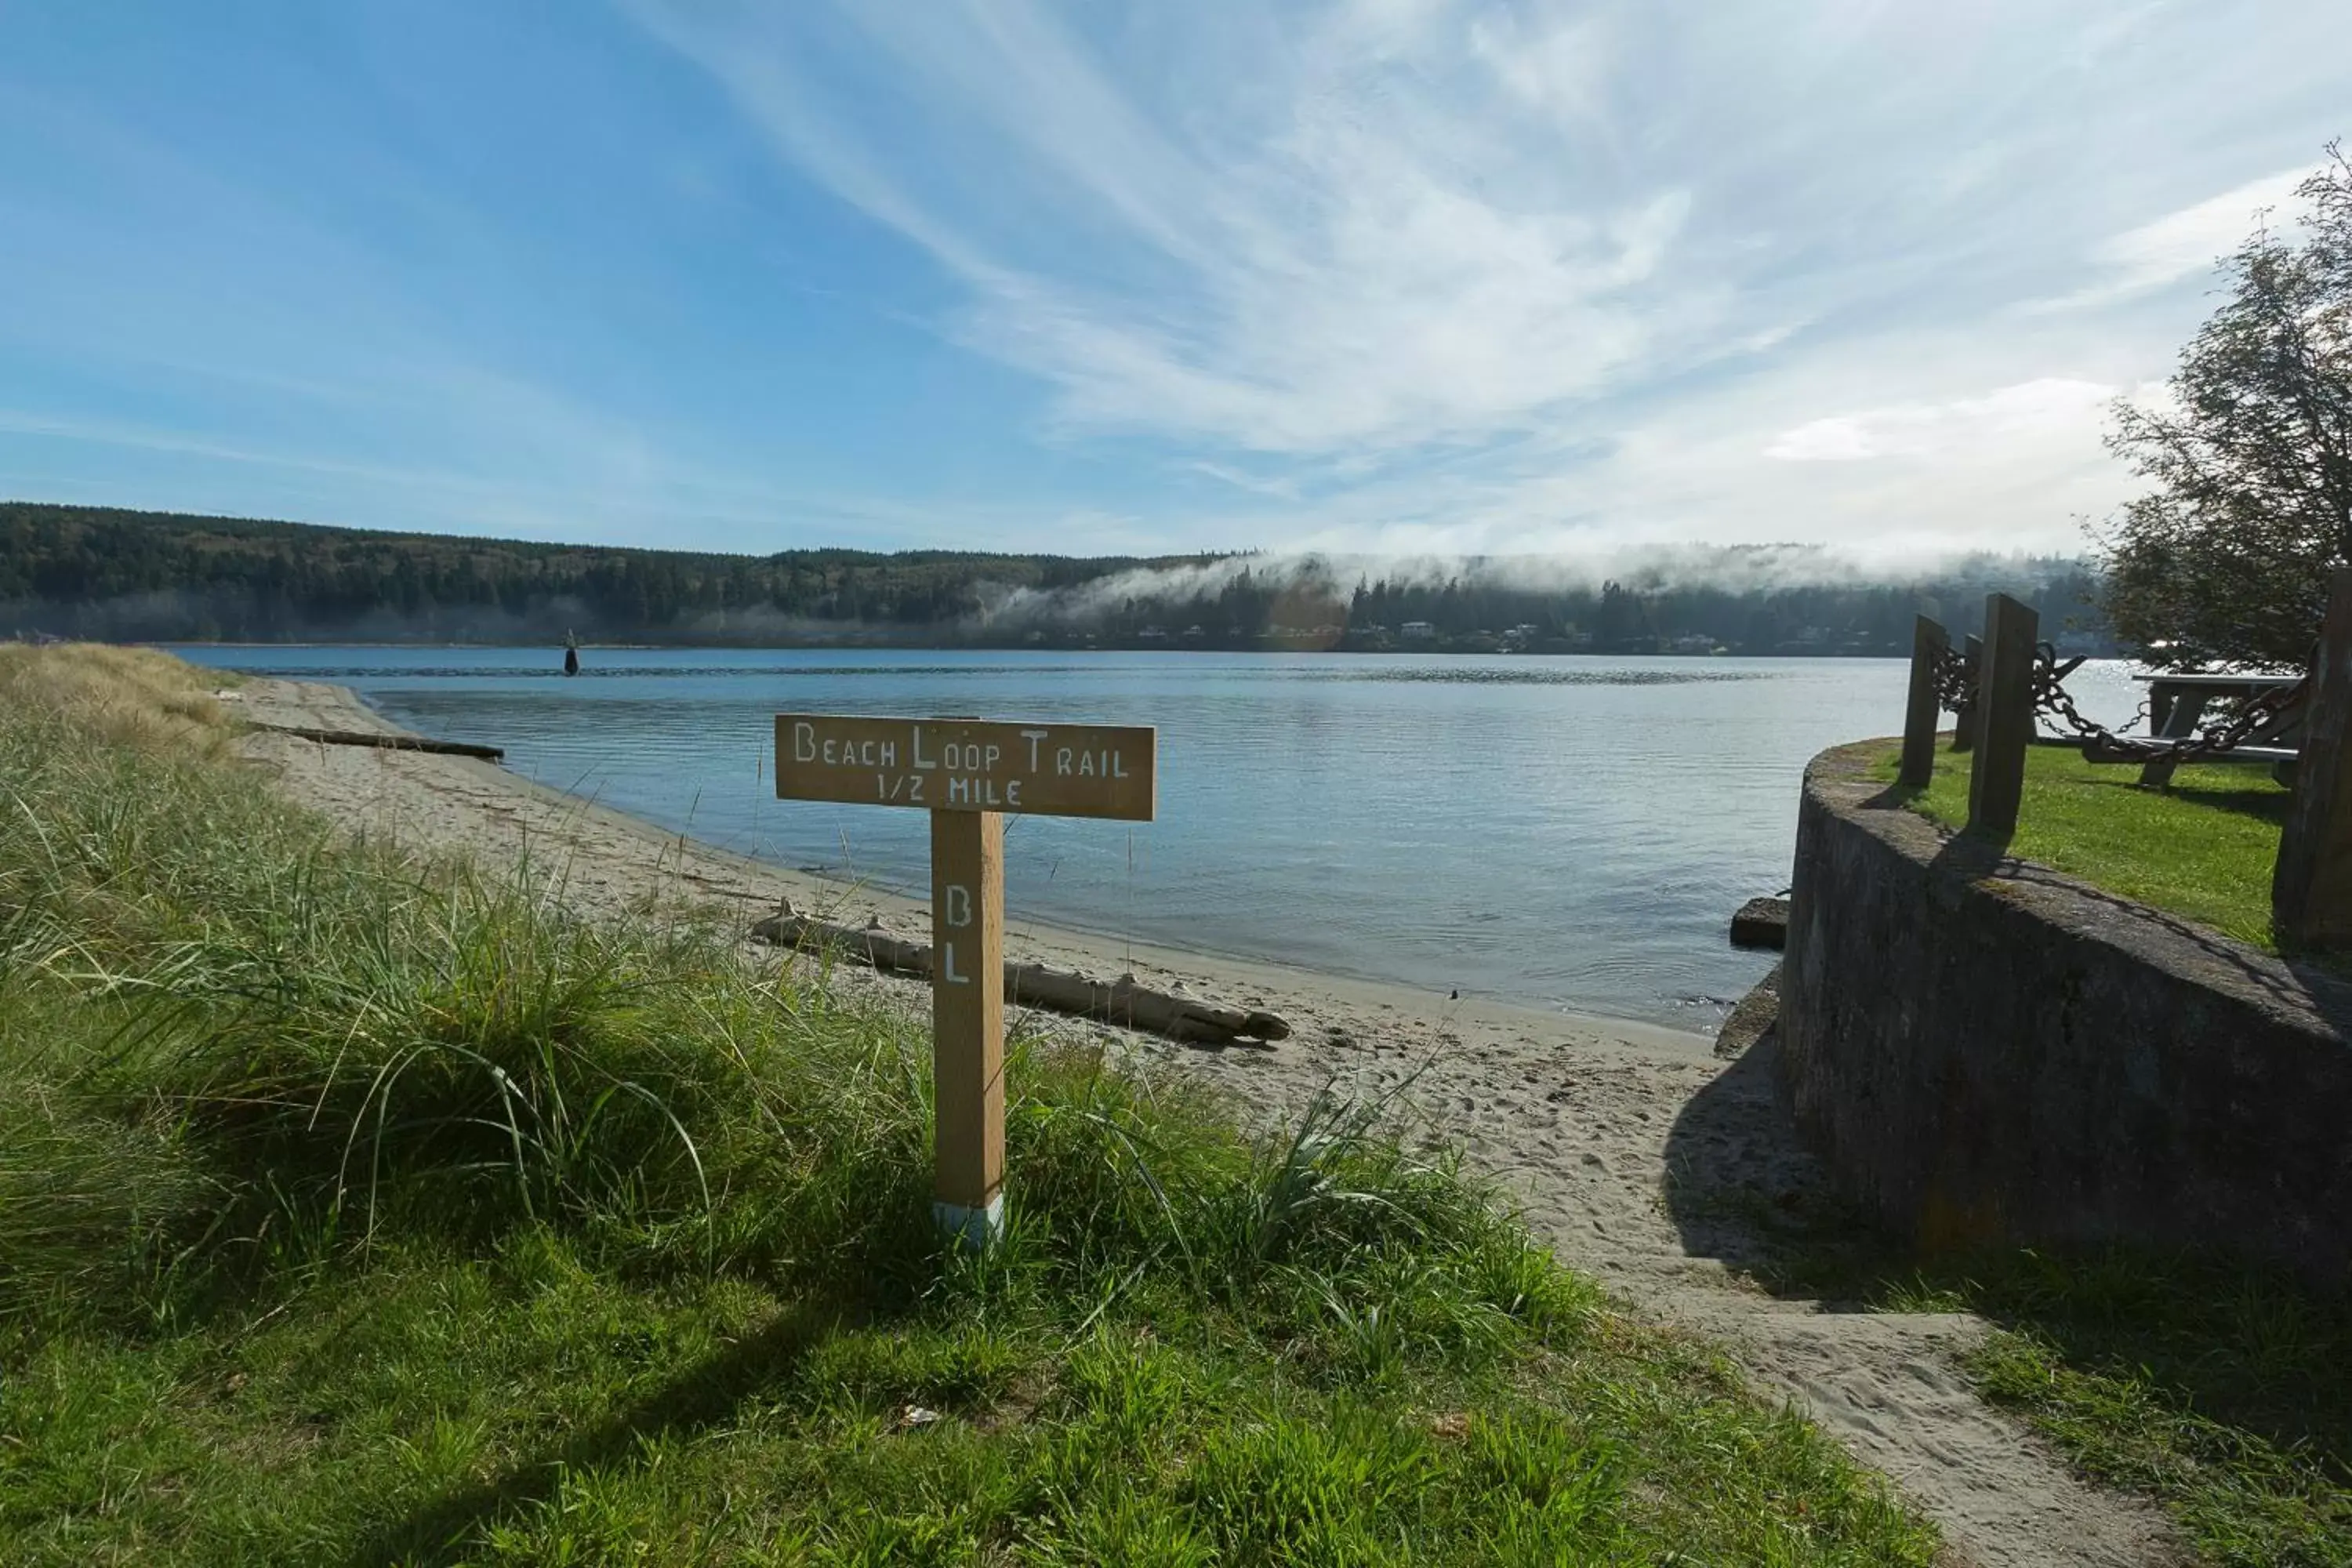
(1964, 722)
(1929, 643)
(968, 1022)
(2005, 714)
(968, 774)
(2311, 887)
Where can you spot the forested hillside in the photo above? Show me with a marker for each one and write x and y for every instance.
(102, 572)
(85, 572)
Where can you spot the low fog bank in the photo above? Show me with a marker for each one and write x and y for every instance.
(1774, 599)
(1653, 568)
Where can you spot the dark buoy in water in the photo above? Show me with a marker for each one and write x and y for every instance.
(570, 654)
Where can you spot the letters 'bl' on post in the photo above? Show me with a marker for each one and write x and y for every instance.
(968, 765)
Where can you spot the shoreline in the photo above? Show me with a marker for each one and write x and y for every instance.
(421, 797)
(1889, 656)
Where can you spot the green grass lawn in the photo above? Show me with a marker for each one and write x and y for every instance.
(2223, 1391)
(2204, 849)
(2219, 1391)
(363, 1210)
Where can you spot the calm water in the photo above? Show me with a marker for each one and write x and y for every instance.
(1570, 832)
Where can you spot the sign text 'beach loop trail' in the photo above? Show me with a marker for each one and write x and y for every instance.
(969, 773)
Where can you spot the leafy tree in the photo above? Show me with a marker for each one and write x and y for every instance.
(2228, 558)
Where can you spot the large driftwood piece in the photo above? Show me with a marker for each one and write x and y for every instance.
(1121, 1001)
(387, 742)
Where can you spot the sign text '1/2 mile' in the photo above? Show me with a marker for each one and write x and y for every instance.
(968, 765)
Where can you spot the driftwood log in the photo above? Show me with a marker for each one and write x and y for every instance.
(387, 742)
(1121, 1001)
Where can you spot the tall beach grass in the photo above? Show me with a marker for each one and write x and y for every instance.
(360, 1206)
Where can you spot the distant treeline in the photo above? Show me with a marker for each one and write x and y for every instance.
(1644, 615)
(99, 573)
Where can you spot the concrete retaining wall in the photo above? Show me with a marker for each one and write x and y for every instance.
(1984, 1050)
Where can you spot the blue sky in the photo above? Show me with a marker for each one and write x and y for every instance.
(1427, 276)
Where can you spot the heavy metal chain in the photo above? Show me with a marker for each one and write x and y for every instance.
(2249, 718)
(1956, 681)
(2053, 700)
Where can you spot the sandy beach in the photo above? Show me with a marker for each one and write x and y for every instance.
(1640, 1155)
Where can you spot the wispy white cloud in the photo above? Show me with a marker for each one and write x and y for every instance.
(1479, 272)
(1558, 66)
(2053, 406)
(2183, 244)
(1330, 265)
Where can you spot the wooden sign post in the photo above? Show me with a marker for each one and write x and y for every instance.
(969, 773)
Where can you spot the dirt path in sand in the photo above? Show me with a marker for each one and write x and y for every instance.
(1637, 1152)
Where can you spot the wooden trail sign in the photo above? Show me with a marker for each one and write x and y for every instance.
(967, 765)
(969, 773)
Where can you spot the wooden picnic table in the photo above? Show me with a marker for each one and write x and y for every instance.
(2176, 703)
